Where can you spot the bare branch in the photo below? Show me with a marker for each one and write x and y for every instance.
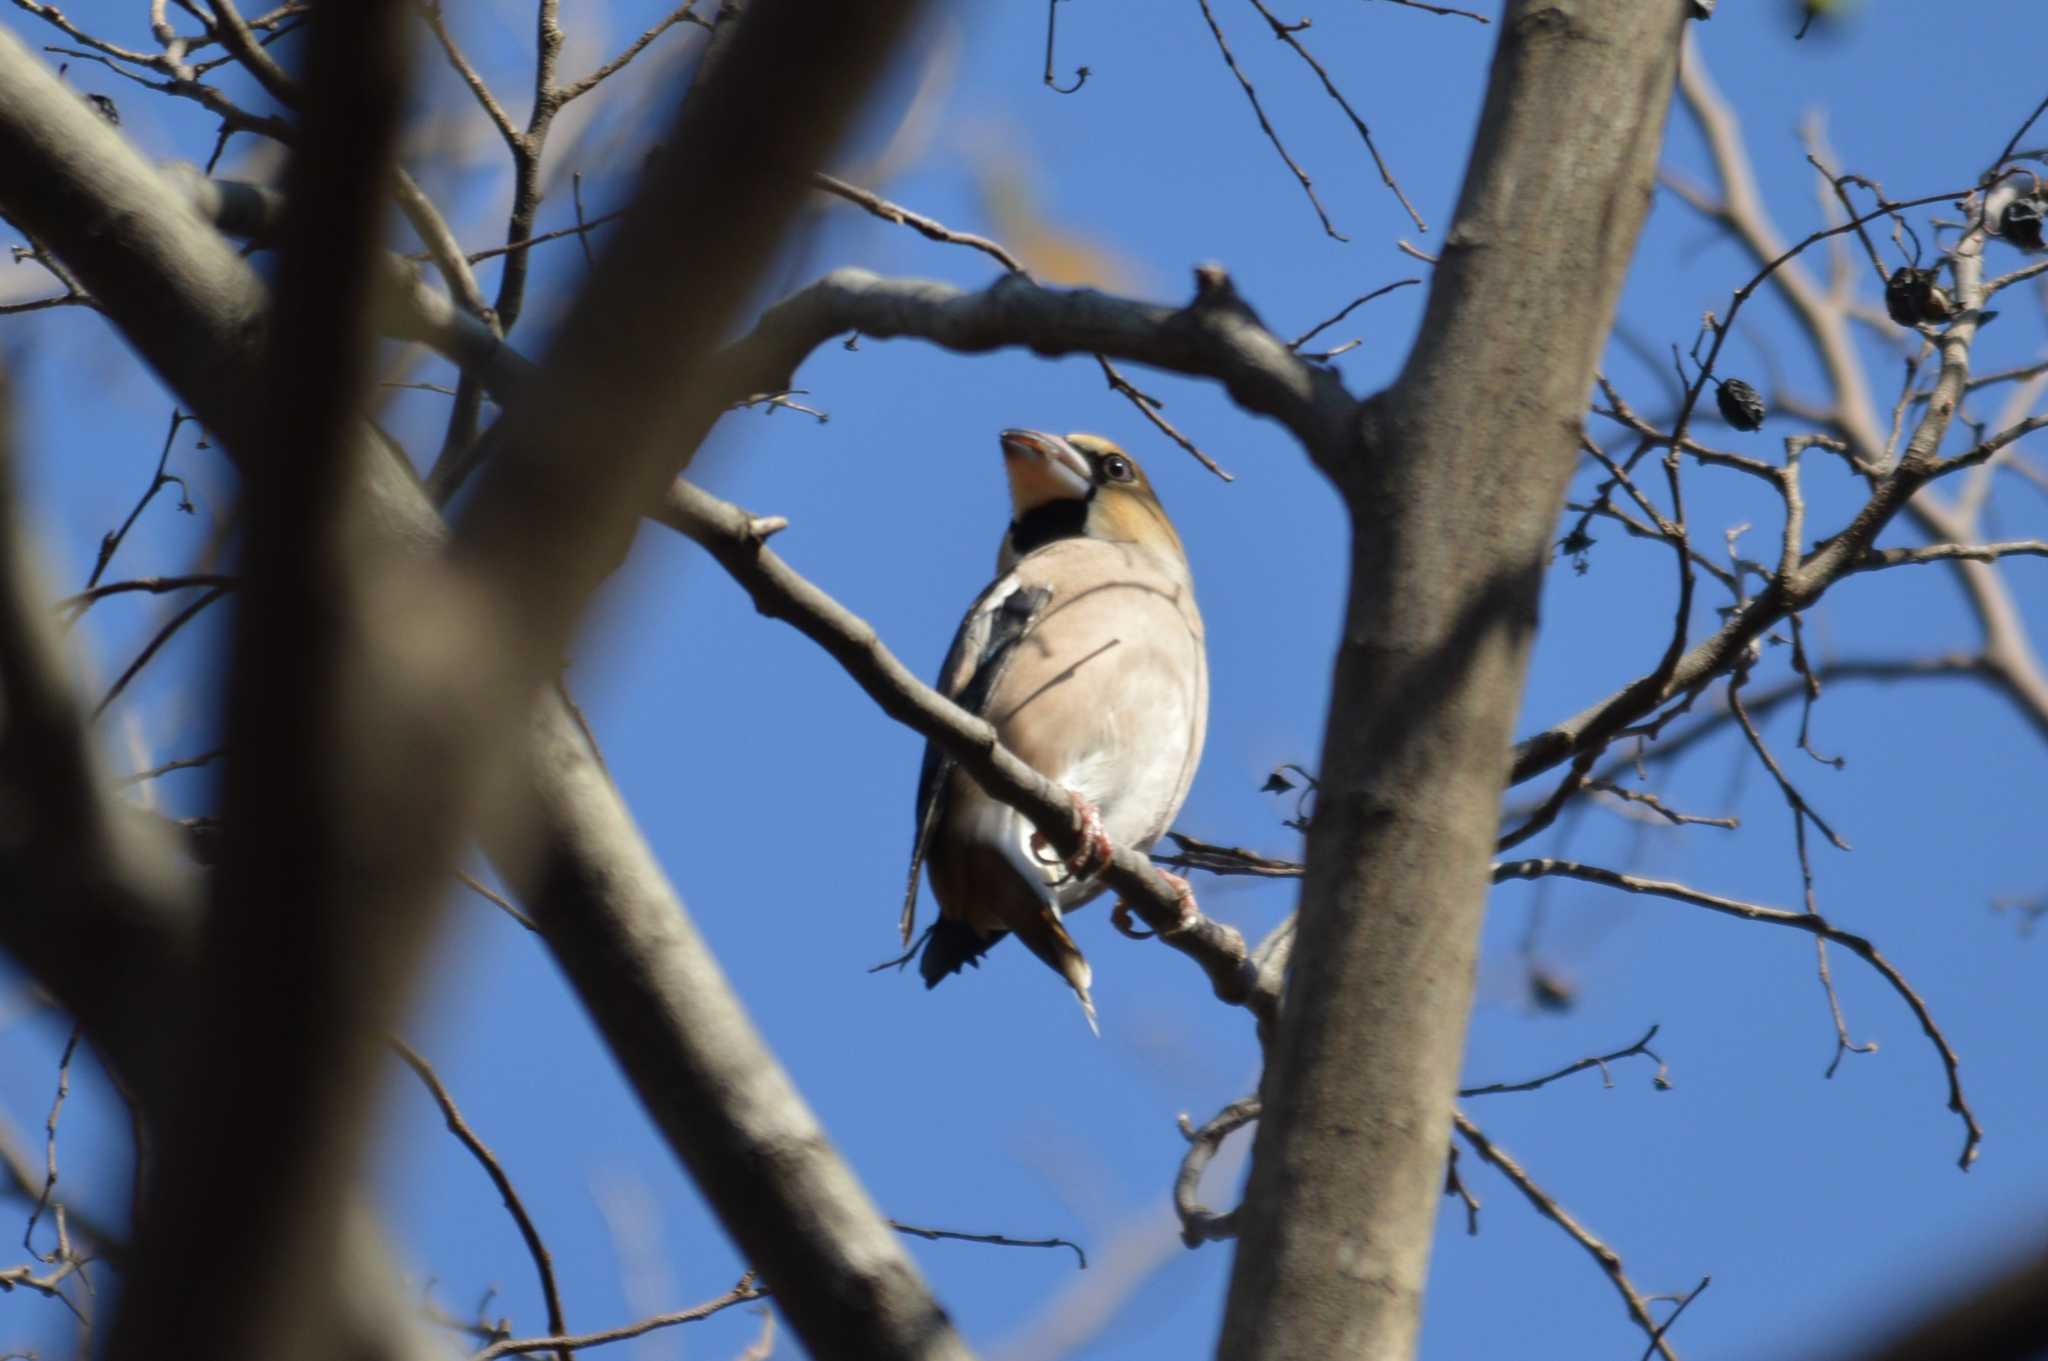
(111, 544)
(75, 605)
(1445, 10)
(581, 230)
(437, 24)
(1810, 922)
(187, 763)
(543, 1261)
(1266, 125)
(1950, 552)
(924, 226)
(155, 645)
(1226, 860)
(1312, 332)
(1215, 336)
(740, 1294)
(1081, 73)
(1546, 1205)
(1198, 1223)
(497, 900)
(1661, 1080)
(999, 1240)
(1285, 33)
(1147, 405)
(576, 89)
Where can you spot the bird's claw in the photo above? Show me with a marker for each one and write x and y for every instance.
(1189, 913)
(1184, 892)
(1096, 852)
(1120, 918)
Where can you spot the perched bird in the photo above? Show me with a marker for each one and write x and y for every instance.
(1086, 654)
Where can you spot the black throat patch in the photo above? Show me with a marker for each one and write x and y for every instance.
(1064, 518)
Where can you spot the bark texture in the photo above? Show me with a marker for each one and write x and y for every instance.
(1454, 486)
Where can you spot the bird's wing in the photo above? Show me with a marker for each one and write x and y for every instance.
(982, 651)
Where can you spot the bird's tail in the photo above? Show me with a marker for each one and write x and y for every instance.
(950, 945)
(1049, 940)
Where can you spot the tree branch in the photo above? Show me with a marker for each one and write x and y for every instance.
(1216, 336)
(1609, 1261)
(196, 312)
(1810, 922)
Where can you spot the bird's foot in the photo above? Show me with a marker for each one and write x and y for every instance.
(1120, 915)
(1185, 893)
(1096, 851)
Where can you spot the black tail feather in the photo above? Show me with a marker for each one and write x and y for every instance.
(950, 946)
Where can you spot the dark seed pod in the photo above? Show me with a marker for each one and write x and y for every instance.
(2020, 223)
(1911, 297)
(1740, 406)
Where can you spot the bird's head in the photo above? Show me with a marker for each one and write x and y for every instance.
(1079, 486)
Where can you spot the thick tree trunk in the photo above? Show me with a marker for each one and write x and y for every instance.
(1454, 490)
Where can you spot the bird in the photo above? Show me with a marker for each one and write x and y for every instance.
(1087, 655)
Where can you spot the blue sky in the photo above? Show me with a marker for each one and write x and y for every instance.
(779, 799)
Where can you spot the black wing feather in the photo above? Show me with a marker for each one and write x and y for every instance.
(1008, 624)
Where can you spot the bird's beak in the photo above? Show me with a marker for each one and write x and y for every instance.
(1043, 468)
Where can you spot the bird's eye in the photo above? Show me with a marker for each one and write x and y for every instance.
(1117, 468)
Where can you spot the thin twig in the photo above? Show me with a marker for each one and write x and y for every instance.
(933, 230)
(430, 13)
(995, 1239)
(1810, 922)
(1443, 9)
(1081, 73)
(1312, 332)
(1148, 407)
(155, 645)
(543, 1262)
(1454, 1185)
(186, 763)
(157, 482)
(926, 227)
(497, 900)
(86, 599)
(1951, 552)
(740, 1294)
(1661, 1080)
(1244, 82)
(1546, 1205)
(1665, 1327)
(1225, 860)
(582, 229)
(576, 89)
(1645, 799)
(62, 1252)
(1285, 33)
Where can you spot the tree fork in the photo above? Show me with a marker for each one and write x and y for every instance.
(1454, 481)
